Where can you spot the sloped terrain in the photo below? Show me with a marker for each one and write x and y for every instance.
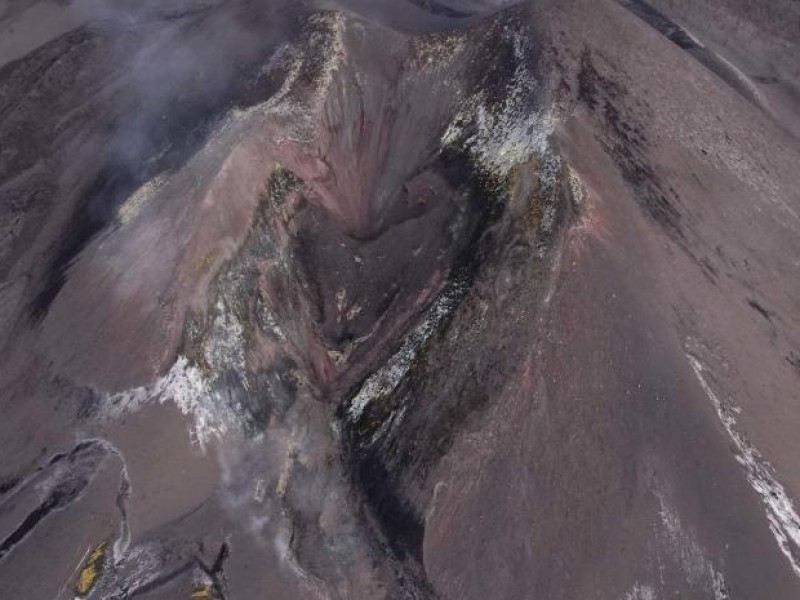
(454, 299)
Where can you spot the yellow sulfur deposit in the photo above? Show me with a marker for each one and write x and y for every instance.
(201, 592)
(91, 570)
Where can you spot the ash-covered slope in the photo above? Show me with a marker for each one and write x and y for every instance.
(395, 299)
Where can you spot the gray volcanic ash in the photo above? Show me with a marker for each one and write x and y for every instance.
(399, 299)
